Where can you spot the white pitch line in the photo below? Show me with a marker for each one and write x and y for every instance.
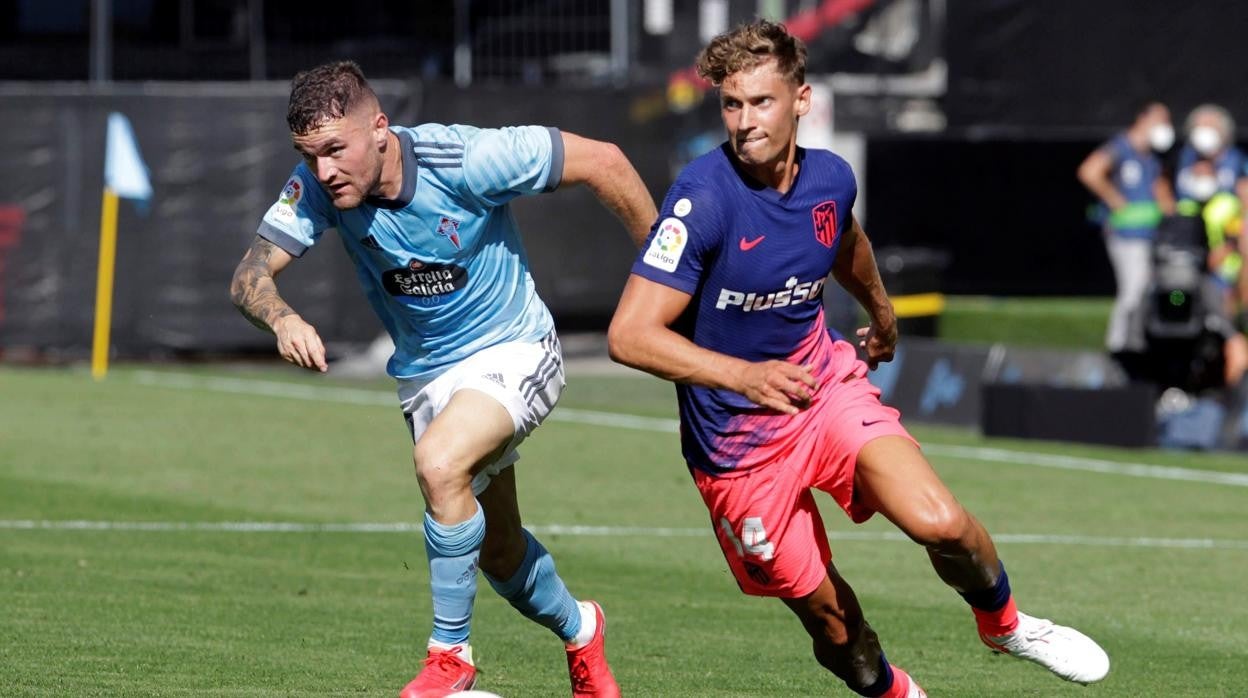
(356, 396)
(1093, 465)
(589, 531)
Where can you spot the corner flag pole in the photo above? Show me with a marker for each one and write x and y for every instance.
(104, 285)
(125, 177)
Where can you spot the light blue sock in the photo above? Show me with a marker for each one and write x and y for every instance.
(537, 592)
(453, 553)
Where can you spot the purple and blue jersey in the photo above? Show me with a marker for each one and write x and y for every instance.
(754, 262)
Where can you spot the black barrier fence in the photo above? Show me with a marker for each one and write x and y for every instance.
(1055, 395)
(1008, 211)
(1021, 64)
(218, 156)
(1001, 217)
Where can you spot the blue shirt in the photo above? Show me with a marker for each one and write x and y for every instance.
(442, 264)
(1228, 168)
(1134, 174)
(754, 262)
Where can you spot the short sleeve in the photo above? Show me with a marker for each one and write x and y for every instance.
(296, 220)
(684, 240)
(1113, 149)
(851, 199)
(503, 163)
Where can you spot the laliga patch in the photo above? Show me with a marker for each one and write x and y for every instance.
(667, 245)
(291, 193)
(288, 200)
(682, 207)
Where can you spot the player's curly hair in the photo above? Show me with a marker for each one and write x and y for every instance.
(325, 93)
(749, 45)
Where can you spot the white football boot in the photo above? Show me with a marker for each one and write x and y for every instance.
(1064, 651)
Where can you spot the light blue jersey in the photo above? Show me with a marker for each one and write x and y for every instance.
(442, 265)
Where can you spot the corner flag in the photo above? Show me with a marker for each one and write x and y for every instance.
(124, 171)
(125, 176)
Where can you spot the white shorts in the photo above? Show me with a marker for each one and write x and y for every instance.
(526, 378)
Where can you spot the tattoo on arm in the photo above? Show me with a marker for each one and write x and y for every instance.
(253, 290)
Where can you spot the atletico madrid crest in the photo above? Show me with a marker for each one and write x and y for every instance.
(825, 222)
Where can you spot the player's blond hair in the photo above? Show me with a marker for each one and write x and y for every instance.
(749, 45)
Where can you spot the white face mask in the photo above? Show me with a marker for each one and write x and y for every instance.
(1206, 140)
(1161, 137)
(1201, 187)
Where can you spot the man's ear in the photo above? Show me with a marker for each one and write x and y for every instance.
(381, 129)
(802, 100)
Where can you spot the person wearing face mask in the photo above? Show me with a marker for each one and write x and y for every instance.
(1211, 183)
(1209, 162)
(1126, 175)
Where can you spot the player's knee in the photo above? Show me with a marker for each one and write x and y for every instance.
(437, 472)
(943, 525)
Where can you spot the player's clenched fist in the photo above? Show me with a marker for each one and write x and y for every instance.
(779, 385)
(879, 343)
(298, 343)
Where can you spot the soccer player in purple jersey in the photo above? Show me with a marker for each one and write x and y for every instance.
(725, 300)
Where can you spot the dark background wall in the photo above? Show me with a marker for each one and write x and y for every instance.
(1010, 212)
(1016, 64)
(1031, 88)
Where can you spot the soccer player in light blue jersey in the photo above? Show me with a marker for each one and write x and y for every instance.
(422, 212)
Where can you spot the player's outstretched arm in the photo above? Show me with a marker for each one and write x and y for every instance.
(856, 270)
(605, 169)
(254, 293)
(640, 336)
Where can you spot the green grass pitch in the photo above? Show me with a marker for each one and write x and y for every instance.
(170, 601)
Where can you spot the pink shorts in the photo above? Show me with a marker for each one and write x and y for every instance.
(765, 518)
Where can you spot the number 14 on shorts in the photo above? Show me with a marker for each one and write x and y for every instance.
(753, 538)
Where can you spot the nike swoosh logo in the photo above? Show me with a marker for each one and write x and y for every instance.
(747, 245)
(865, 423)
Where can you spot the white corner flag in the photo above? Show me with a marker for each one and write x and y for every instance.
(124, 171)
(125, 176)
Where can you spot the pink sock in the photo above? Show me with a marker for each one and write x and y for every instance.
(901, 684)
(996, 623)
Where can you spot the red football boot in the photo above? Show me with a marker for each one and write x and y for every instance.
(587, 666)
(446, 671)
